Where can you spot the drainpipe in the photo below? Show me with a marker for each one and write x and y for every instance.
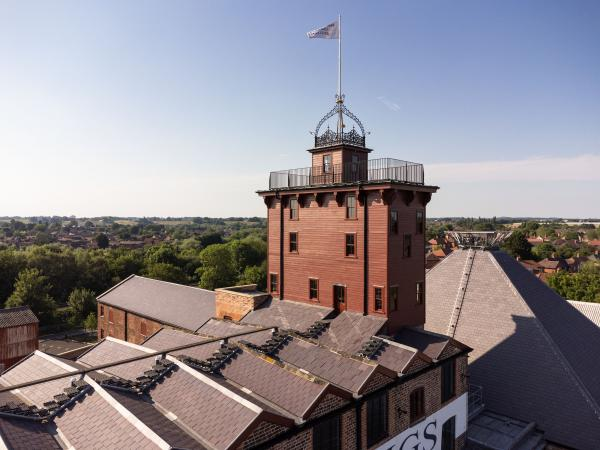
(366, 250)
(281, 221)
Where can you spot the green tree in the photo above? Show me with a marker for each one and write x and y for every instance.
(166, 272)
(255, 275)
(517, 245)
(102, 240)
(543, 251)
(82, 302)
(90, 322)
(218, 268)
(583, 286)
(32, 289)
(11, 263)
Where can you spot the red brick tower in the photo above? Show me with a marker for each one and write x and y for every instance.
(349, 231)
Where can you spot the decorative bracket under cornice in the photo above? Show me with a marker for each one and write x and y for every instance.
(320, 198)
(424, 198)
(407, 196)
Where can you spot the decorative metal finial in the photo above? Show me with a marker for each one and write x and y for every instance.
(340, 137)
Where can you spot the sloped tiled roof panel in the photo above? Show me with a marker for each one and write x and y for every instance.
(347, 373)
(221, 328)
(588, 309)
(94, 423)
(168, 338)
(293, 392)
(173, 304)
(394, 357)
(36, 367)
(109, 351)
(207, 410)
(286, 314)
(161, 425)
(13, 317)
(349, 331)
(531, 348)
(431, 345)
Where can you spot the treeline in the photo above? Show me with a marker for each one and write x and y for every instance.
(60, 283)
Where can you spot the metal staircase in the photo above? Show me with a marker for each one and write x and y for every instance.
(460, 295)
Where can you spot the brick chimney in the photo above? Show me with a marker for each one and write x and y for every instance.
(235, 302)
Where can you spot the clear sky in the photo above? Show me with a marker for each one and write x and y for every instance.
(144, 108)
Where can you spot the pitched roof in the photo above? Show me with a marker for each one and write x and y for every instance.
(532, 349)
(349, 331)
(348, 373)
(13, 317)
(588, 309)
(168, 338)
(173, 304)
(221, 328)
(286, 314)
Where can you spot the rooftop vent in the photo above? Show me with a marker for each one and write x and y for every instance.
(214, 363)
(141, 384)
(315, 330)
(371, 348)
(272, 345)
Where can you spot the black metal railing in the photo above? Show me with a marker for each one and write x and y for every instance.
(372, 170)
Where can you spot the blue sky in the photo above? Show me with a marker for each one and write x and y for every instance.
(180, 108)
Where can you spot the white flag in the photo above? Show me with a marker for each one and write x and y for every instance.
(331, 31)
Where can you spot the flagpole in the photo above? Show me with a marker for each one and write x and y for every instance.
(340, 56)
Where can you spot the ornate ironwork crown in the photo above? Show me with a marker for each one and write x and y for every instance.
(330, 137)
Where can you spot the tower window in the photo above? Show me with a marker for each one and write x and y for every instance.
(350, 206)
(293, 208)
(273, 284)
(394, 222)
(327, 163)
(350, 244)
(294, 242)
(420, 222)
(407, 246)
(313, 289)
(393, 298)
(420, 292)
(378, 299)
(417, 404)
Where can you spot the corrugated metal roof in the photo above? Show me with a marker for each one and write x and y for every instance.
(13, 317)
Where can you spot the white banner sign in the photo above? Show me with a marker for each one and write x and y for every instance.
(427, 434)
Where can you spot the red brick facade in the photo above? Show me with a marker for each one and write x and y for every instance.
(120, 324)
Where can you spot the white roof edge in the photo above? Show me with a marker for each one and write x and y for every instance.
(128, 415)
(206, 380)
(130, 344)
(398, 344)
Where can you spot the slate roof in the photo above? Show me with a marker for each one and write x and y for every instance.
(14, 317)
(286, 314)
(348, 331)
(169, 303)
(221, 328)
(294, 392)
(111, 429)
(348, 373)
(166, 338)
(395, 357)
(588, 309)
(533, 352)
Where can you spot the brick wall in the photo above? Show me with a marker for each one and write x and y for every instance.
(234, 303)
(123, 325)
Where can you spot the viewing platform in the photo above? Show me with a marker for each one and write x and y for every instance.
(374, 170)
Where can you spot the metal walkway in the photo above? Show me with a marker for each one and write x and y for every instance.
(460, 295)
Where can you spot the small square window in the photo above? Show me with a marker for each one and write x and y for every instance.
(394, 222)
(350, 244)
(420, 292)
(393, 298)
(313, 289)
(417, 404)
(294, 242)
(273, 282)
(293, 208)
(327, 163)
(378, 299)
(101, 311)
(350, 206)
(407, 246)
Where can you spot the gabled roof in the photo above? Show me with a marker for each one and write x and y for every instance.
(220, 328)
(13, 317)
(533, 352)
(286, 314)
(349, 331)
(169, 303)
(351, 374)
